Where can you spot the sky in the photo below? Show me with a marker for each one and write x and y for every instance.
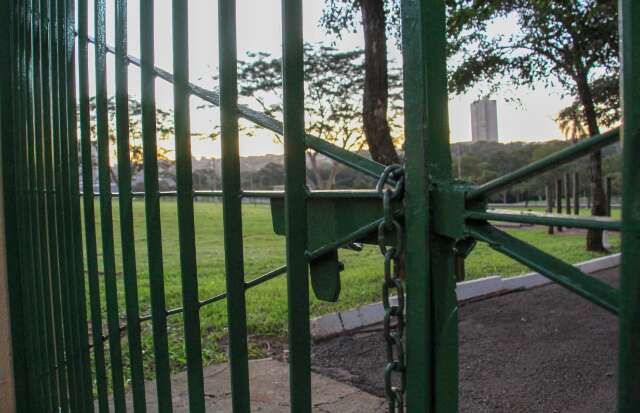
(259, 29)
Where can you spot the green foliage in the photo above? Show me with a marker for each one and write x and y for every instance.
(164, 127)
(555, 42)
(334, 83)
(483, 161)
(341, 16)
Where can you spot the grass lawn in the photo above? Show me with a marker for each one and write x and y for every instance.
(267, 303)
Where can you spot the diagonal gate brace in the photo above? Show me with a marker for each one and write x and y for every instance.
(556, 270)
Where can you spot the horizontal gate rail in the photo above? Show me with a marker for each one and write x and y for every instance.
(551, 267)
(569, 221)
(552, 161)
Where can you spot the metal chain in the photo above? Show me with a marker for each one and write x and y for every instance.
(390, 239)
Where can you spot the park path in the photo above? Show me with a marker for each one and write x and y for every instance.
(269, 391)
(544, 350)
(538, 351)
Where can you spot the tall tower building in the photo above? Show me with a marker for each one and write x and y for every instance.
(484, 120)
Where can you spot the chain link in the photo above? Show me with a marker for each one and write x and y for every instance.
(391, 239)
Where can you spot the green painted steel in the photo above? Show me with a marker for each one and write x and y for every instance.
(438, 216)
(232, 208)
(431, 308)
(106, 213)
(152, 209)
(295, 208)
(51, 227)
(629, 370)
(186, 227)
(10, 135)
(91, 255)
(74, 203)
(567, 275)
(34, 148)
(126, 211)
(533, 218)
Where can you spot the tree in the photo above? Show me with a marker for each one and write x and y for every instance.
(378, 16)
(333, 91)
(572, 120)
(164, 125)
(572, 44)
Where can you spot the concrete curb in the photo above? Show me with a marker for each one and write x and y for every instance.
(366, 315)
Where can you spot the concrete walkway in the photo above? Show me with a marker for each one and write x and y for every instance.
(269, 392)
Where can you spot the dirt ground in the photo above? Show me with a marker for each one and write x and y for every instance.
(544, 350)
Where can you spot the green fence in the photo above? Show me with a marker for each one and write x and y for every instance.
(417, 211)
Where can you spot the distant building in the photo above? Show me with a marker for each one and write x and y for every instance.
(484, 121)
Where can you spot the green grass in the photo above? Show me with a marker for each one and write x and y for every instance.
(267, 303)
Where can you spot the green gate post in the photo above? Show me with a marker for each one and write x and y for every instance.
(432, 360)
(629, 365)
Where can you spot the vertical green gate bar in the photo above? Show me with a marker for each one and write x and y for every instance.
(152, 208)
(57, 197)
(10, 135)
(432, 358)
(629, 364)
(34, 129)
(36, 198)
(51, 215)
(89, 210)
(106, 219)
(232, 207)
(186, 227)
(64, 209)
(295, 207)
(73, 194)
(43, 192)
(126, 211)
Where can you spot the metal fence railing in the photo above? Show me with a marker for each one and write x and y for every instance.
(64, 360)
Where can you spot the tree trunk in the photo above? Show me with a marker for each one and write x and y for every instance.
(376, 85)
(598, 201)
(317, 176)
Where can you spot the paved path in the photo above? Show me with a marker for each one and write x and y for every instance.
(545, 350)
(269, 391)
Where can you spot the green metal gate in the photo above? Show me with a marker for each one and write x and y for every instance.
(418, 210)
